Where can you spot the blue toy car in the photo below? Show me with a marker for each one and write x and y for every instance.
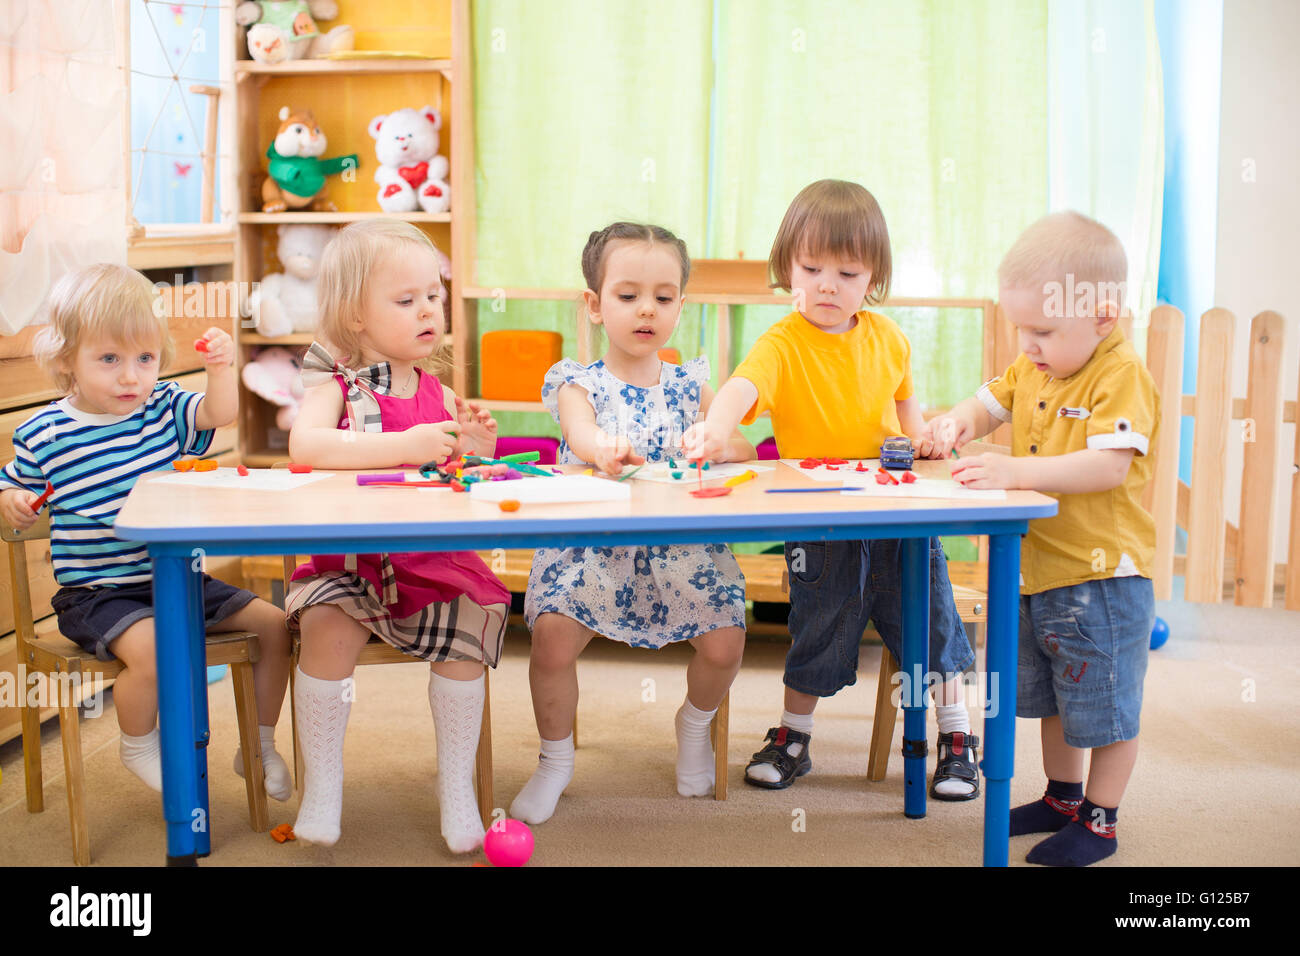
(896, 453)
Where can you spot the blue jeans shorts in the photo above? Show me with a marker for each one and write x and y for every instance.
(1083, 656)
(837, 587)
(93, 618)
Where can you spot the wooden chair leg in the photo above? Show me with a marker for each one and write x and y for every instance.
(719, 729)
(74, 774)
(250, 742)
(483, 761)
(886, 716)
(293, 721)
(575, 731)
(30, 719)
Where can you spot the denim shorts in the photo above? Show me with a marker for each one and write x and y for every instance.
(837, 587)
(93, 618)
(1083, 655)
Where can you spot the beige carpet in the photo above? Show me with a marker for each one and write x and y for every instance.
(1216, 783)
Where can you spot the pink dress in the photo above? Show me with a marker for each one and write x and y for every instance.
(449, 604)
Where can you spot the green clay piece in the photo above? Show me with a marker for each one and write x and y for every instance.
(671, 463)
(675, 474)
(706, 466)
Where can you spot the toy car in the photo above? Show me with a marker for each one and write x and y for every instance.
(896, 453)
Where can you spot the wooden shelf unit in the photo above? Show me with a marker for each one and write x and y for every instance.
(345, 95)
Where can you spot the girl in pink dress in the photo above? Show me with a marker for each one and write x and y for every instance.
(372, 402)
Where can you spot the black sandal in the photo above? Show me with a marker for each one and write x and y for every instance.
(777, 753)
(958, 758)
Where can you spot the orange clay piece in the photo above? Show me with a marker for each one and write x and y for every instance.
(283, 832)
(205, 464)
(508, 505)
(183, 464)
(300, 469)
(243, 471)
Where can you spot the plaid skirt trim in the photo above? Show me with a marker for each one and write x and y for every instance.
(458, 630)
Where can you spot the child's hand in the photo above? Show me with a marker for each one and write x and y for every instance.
(478, 429)
(16, 508)
(611, 456)
(431, 442)
(987, 471)
(217, 347)
(704, 440)
(941, 435)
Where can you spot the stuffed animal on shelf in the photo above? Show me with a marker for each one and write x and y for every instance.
(282, 30)
(411, 174)
(296, 171)
(275, 374)
(285, 302)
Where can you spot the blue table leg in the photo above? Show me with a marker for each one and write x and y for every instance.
(199, 662)
(916, 655)
(176, 643)
(1000, 715)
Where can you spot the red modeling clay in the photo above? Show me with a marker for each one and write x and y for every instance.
(45, 496)
(201, 345)
(834, 461)
(832, 467)
(861, 467)
(300, 469)
(810, 463)
(882, 479)
(457, 486)
(243, 472)
(908, 478)
(892, 480)
(710, 492)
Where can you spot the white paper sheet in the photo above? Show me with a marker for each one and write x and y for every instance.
(927, 488)
(557, 490)
(257, 479)
(659, 471)
(845, 473)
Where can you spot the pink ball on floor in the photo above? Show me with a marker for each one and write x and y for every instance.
(508, 843)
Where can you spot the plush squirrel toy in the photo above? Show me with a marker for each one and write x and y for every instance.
(297, 173)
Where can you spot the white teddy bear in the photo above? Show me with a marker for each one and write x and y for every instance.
(286, 302)
(411, 174)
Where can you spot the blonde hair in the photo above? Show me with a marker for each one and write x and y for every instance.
(101, 301)
(346, 265)
(1064, 245)
(834, 217)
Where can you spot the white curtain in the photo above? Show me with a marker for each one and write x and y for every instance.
(62, 181)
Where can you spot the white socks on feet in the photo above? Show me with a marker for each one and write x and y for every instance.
(143, 757)
(695, 763)
(536, 802)
(322, 715)
(276, 778)
(457, 707)
(800, 722)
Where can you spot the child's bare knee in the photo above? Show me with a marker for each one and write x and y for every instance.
(722, 648)
(134, 647)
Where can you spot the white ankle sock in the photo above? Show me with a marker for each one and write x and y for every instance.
(800, 722)
(457, 707)
(322, 713)
(276, 778)
(536, 802)
(143, 757)
(953, 718)
(695, 764)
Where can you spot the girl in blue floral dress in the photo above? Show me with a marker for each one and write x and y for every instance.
(626, 409)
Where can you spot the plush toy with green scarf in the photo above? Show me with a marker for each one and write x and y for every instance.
(297, 173)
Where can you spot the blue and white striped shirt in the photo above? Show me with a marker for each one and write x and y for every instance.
(93, 461)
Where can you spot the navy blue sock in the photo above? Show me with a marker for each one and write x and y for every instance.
(1091, 837)
(1047, 815)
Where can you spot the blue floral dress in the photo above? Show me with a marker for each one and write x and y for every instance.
(642, 596)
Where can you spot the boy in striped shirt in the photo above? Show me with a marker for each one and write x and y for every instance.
(105, 345)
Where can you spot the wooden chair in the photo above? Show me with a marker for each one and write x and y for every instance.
(65, 666)
(381, 652)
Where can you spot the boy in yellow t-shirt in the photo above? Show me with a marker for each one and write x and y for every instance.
(837, 380)
(1083, 411)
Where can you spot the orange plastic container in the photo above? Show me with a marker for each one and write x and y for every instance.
(514, 363)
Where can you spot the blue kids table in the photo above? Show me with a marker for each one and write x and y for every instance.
(183, 521)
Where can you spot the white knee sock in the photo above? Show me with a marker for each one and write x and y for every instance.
(322, 713)
(457, 707)
(276, 778)
(695, 764)
(536, 802)
(953, 718)
(143, 757)
(800, 722)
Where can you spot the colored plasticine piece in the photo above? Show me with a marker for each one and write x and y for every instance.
(862, 467)
(832, 467)
(675, 474)
(739, 479)
(888, 477)
(201, 345)
(205, 464)
(810, 463)
(457, 486)
(300, 469)
(243, 470)
(183, 464)
(709, 492)
(882, 479)
(834, 461)
(908, 478)
(509, 504)
(282, 833)
(45, 496)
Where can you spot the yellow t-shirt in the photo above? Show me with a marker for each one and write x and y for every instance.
(830, 394)
(1109, 403)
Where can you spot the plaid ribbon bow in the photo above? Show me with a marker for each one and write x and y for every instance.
(318, 368)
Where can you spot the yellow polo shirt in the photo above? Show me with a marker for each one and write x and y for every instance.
(830, 394)
(1109, 403)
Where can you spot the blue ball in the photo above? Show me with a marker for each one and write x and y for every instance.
(1159, 634)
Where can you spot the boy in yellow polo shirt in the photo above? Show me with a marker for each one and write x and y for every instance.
(1083, 411)
(837, 380)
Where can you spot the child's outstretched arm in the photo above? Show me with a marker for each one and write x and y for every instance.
(316, 439)
(588, 440)
(965, 422)
(709, 438)
(737, 447)
(221, 396)
(1079, 472)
